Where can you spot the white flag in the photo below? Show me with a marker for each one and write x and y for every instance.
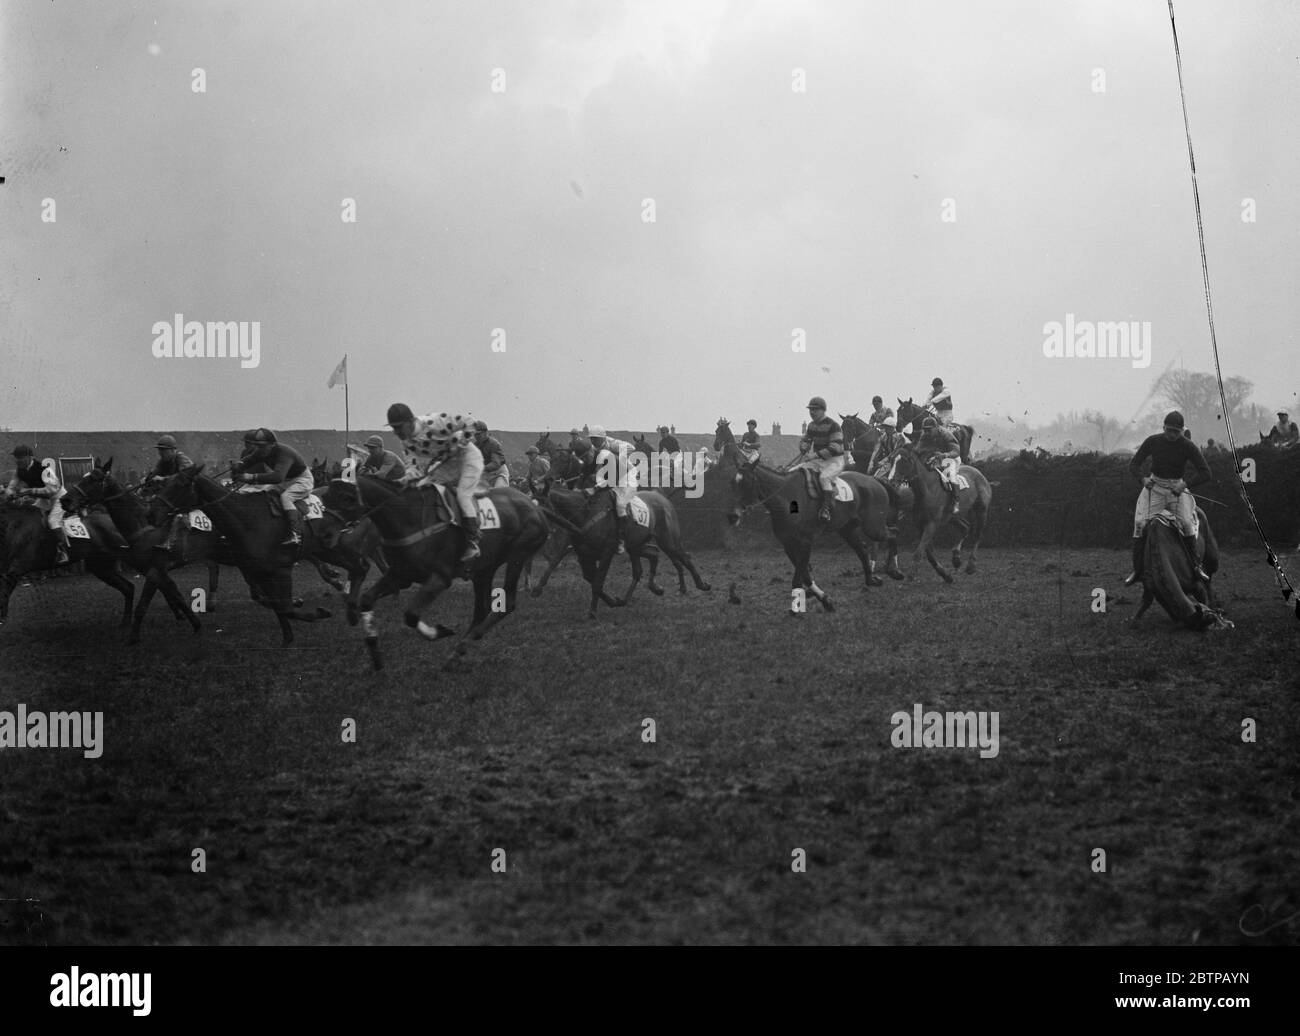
(340, 375)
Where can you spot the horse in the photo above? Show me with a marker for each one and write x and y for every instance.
(1167, 574)
(909, 413)
(567, 467)
(932, 505)
(254, 532)
(149, 554)
(723, 436)
(589, 520)
(423, 547)
(869, 517)
(28, 545)
(860, 440)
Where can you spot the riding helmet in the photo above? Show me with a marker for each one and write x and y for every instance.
(166, 442)
(816, 403)
(597, 432)
(929, 422)
(936, 383)
(398, 413)
(1174, 419)
(261, 436)
(23, 450)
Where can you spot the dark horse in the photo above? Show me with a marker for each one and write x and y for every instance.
(932, 505)
(860, 440)
(566, 467)
(910, 413)
(871, 515)
(1167, 574)
(423, 547)
(254, 532)
(28, 545)
(148, 554)
(589, 520)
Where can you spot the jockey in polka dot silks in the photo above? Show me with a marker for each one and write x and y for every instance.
(439, 450)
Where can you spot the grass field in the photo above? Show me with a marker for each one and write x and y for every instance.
(772, 734)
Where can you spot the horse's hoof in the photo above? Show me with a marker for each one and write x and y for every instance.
(795, 615)
(706, 587)
(875, 581)
(591, 615)
(536, 592)
(658, 591)
(946, 578)
(827, 606)
(410, 620)
(894, 574)
(323, 613)
(353, 616)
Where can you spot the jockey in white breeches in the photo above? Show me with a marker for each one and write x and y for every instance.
(615, 471)
(439, 451)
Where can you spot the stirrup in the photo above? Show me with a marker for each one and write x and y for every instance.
(471, 552)
(293, 540)
(1131, 578)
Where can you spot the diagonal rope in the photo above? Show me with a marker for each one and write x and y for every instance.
(1284, 584)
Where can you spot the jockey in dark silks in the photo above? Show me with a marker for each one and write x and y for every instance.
(1165, 487)
(38, 485)
(939, 449)
(277, 466)
(750, 443)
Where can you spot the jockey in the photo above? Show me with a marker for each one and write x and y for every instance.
(879, 411)
(886, 444)
(1285, 431)
(495, 472)
(940, 399)
(938, 448)
(826, 440)
(670, 458)
(750, 443)
(439, 449)
(277, 466)
(614, 455)
(39, 484)
(170, 460)
(1165, 487)
(381, 463)
(538, 469)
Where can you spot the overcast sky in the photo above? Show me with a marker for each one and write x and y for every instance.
(522, 208)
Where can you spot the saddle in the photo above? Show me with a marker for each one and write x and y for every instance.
(445, 503)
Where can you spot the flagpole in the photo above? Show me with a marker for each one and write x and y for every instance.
(347, 423)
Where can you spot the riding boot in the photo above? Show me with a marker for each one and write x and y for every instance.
(295, 527)
(824, 498)
(1139, 548)
(620, 524)
(472, 550)
(1190, 543)
(61, 547)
